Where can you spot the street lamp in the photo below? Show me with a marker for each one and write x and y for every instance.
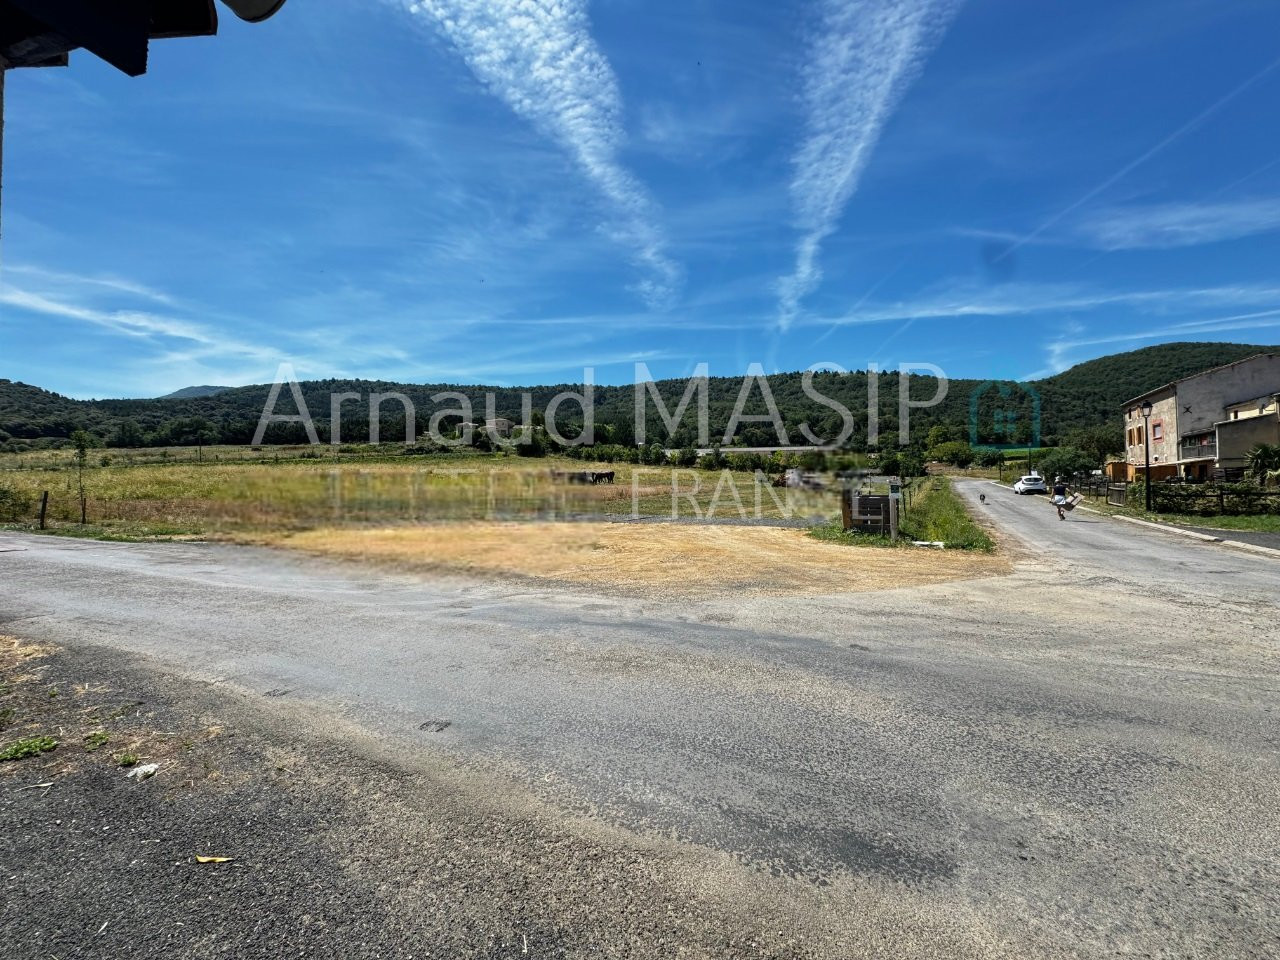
(1146, 445)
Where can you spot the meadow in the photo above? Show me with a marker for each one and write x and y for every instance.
(236, 491)
(453, 513)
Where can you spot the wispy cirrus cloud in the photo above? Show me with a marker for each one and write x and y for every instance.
(862, 57)
(542, 61)
(1168, 225)
(970, 300)
(100, 282)
(1151, 226)
(162, 345)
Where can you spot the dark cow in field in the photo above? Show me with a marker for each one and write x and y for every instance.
(583, 477)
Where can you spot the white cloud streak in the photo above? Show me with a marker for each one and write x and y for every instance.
(1034, 299)
(1164, 226)
(166, 346)
(538, 56)
(863, 56)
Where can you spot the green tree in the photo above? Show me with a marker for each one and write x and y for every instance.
(129, 434)
(534, 444)
(1066, 462)
(1099, 442)
(943, 433)
(654, 455)
(955, 452)
(82, 441)
(193, 432)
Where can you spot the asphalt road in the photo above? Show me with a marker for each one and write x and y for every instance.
(1078, 759)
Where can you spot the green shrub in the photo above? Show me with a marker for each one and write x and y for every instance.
(936, 514)
(92, 741)
(15, 505)
(834, 533)
(955, 452)
(28, 747)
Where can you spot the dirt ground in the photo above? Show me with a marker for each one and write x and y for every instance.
(684, 560)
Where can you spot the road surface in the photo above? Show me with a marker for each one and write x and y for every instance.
(1077, 759)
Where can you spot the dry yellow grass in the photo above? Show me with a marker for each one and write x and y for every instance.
(674, 559)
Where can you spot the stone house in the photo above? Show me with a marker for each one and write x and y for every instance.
(1204, 423)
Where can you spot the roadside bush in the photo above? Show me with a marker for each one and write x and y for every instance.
(654, 455)
(749, 462)
(936, 514)
(15, 505)
(713, 460)
(988, 457)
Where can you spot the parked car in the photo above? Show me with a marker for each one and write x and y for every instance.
(1030, 484)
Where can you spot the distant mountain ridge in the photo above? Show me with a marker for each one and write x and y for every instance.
(187, 393)
(1089, 394)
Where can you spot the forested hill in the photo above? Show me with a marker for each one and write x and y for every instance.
(1085, 396)
(1092, 392)
(186, 393)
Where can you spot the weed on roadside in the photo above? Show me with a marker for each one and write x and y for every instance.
(28, 747)
(92, 741)
(833, 533)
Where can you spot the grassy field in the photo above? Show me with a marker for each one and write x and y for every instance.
(131, 496)
(452, 513)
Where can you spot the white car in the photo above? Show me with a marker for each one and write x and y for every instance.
(1031, 484)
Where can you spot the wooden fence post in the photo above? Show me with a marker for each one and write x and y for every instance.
(44, 507)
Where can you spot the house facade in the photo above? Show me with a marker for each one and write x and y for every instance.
(1248, 424)
(499, 427)
(1204, 423)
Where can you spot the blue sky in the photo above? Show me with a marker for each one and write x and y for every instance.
(507, 191)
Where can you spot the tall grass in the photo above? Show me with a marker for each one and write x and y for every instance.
(937, 514)
(190, 498)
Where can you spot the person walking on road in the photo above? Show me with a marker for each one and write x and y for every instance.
(1060, 492)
